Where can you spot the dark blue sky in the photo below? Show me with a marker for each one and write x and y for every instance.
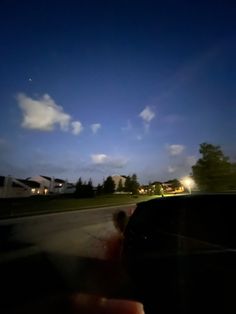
(95, 88)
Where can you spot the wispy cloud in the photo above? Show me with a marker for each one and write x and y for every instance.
(175, 149)
(95, 127)
(108, 161)
(77, 127)
(147, 114)
(171, 169)
(42, 114)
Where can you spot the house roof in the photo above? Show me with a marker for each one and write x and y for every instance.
(47, 178)
(59, 181)
(32, 184)
(156, 182)
(55, 180)
(17, 185)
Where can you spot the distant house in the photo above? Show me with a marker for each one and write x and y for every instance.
(54, 185)
(144, 189)
(173, 186)
(34, 187)
(11, 187)
(45, 182)
(157, 187)
(38, 185)
(117, 178)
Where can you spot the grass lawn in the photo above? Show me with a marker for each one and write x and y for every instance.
(50, 204)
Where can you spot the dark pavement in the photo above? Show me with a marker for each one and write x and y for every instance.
(55, 255)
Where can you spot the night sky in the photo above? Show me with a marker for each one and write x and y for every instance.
(95, 88)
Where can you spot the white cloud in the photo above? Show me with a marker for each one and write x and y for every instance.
(77, 127)
(147, 114)
(99, 159)
(175, 149)
(42, 114)
(95, 127)
(108, 161)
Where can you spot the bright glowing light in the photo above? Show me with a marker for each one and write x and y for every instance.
(188, 183)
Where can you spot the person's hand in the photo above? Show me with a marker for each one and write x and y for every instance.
(91, 304)
(83, 303)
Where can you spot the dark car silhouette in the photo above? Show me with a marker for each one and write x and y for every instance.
(180, 253)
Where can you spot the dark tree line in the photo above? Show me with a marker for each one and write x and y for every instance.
(131, 184)
(86, 189)
(214, 172)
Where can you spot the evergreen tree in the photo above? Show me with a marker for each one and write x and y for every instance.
(134, 184)
(99, 189)
(109, 185)
(128, 184)
(84, 189)
(212, 171)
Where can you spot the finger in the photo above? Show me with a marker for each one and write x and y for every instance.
(84, 304)
(114, 306)
(113, 247)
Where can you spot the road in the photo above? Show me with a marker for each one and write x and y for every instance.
(57, 252)
(76, 232)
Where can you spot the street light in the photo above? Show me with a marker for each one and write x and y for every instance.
(189, 183)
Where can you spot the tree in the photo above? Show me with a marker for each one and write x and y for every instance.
(120, 187)
(158, 189)
(109, 185)
(232, 177)
(99, 189)
(128, 184)
(212, 171)
(84, 189)
(89, 189)
(131, 184)
(134, 184)
(78, 188)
